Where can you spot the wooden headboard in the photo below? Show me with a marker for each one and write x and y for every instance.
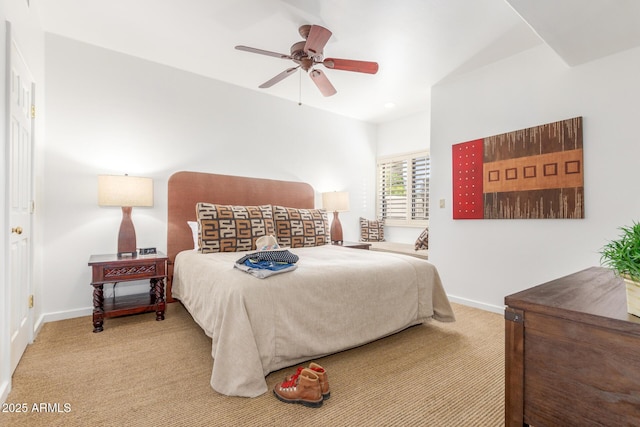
(188, 188)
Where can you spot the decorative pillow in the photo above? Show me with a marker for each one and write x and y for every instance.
(297, 228)
(193, 225)
(228, 228)
(371, 230)
(423, 240)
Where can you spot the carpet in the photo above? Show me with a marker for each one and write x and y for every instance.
(140, 372)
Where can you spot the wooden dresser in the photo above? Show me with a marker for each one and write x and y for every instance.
(572, 353)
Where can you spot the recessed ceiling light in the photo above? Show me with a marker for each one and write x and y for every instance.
(389, 105)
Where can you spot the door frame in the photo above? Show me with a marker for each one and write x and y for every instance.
(5, 281)
(5, 339)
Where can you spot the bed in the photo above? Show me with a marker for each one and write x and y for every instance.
(337, 298)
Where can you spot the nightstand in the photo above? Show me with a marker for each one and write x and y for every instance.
(111, 269)
(354, 245)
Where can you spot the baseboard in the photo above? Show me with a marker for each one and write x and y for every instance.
(62, 315)
(476, 304)
(59, 315)
(38, 325)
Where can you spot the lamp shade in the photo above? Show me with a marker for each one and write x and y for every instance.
(335, 201)
(124, 190)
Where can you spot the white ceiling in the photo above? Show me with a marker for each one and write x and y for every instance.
(417, 43)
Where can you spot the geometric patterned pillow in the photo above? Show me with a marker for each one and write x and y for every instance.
(371, 230)
(423, 240)
(227, 228)
(297, 228)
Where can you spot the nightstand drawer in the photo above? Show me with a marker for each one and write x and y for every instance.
(107, 271)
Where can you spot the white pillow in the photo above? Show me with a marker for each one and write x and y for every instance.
(194, 232)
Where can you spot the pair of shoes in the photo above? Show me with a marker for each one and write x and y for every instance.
(308, 386)
(303, 388)
(322, 376)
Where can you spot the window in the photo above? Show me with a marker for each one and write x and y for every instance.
(403, 189)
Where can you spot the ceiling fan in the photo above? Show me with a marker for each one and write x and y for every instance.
(309, 53)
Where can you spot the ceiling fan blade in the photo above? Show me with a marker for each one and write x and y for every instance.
(286, 73)
(351, 65)
(323, 83)
(263, 52)
(316, 40)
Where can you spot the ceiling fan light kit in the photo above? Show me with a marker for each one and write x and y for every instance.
(308, 54)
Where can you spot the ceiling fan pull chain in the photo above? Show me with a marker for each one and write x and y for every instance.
(300, 89)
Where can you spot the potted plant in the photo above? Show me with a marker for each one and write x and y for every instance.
(623, 257)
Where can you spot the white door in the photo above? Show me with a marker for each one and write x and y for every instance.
(20, 159)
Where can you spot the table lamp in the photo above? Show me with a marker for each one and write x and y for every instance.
(336, 201)
(125, 191)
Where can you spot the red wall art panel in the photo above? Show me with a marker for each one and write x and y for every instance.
(530, 173)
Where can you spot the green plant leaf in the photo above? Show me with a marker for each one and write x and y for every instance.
(623, 254)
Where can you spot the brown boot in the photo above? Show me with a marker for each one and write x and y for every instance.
(303, 388)
(322, 376)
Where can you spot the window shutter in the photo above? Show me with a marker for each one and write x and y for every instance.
(420, 188)
(392, 192)
(403, 189)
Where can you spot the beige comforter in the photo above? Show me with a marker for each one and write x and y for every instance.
(336, 299)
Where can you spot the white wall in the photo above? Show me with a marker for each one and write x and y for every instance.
(28, 35)
(482, 261)
(405, 135)
(108, 113)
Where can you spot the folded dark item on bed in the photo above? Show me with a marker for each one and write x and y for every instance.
(275, 256)
(264, 269)
(267, 263)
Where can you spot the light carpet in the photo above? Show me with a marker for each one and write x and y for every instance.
(140, 372)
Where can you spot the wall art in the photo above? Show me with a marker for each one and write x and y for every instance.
(530, 173)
